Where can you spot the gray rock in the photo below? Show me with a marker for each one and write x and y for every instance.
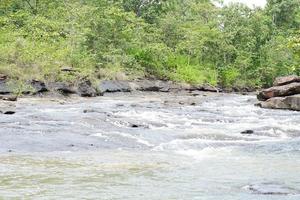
(114, 86)
(279, 91)
(286, 80)
(271, 189)
(290, 102)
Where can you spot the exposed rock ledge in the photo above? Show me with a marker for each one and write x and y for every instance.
(284, 95)
(85, 88)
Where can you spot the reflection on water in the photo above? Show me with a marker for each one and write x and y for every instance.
(150, 146)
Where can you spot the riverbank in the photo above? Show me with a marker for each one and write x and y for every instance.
(85, 88)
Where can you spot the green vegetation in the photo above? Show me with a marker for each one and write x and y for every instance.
(191, 41)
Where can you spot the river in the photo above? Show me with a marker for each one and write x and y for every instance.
(152, 146)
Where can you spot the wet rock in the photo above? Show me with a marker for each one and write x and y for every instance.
(247, 132)
(8, 112)
(279, 91)
(271, 189)
(85, 89)
(114, 86)
(38, 86)
(284, 80)
(89, 111)
(134, 125)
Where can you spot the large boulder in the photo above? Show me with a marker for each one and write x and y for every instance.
(279, 91)
(290, 102)
(284, 80)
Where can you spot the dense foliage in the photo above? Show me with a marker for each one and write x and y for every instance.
(191, 41)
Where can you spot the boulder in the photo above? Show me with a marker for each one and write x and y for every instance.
(293, 102)
(114, 86)
(284, 80)
(279, 91)
(290, 102)
(85, 89)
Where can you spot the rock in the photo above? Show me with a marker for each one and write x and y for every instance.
(133, 125)
(209, 88)
(38, 86)
(153, 86)
(271, 189)
(114, 86)
(9, 112)
(247, 132)
(8, 98)
(293, 102)
(290, 102)
(85, 89)
(284, 80)
(279, 91)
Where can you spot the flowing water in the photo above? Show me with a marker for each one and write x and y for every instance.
(149, 146)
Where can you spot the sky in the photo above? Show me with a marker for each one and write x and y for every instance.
(250, 3)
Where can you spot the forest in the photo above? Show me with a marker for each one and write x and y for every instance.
(190, 41)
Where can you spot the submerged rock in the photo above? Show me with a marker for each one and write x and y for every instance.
(247, 132)
(271, 189)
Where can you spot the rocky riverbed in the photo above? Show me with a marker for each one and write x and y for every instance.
(148, 145)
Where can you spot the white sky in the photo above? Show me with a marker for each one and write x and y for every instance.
(250, 3)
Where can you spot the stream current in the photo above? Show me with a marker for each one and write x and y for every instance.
(152, 146)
